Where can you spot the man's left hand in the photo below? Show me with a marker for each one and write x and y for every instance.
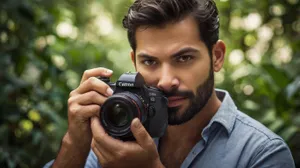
(112, 152)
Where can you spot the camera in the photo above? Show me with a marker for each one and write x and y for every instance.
(133, 98)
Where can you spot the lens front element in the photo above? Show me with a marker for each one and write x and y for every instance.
(118, 115)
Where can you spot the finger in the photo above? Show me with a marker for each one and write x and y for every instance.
(102, 133)
(85, 112)
(96, 127)
(88, 98)
(104, 150)
(97, 152)
(105, 159)
(141, 135)
(96, 72)
(94, 84)
(102, 138)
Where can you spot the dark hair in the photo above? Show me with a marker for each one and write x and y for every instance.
(161, 12)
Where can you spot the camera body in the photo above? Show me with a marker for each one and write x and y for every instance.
(131, 99)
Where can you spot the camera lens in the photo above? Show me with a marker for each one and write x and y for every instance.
(119, 110)
(118, 115)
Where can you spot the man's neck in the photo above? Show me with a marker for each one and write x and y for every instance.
(191, 130)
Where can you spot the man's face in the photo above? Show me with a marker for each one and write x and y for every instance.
(174, 59)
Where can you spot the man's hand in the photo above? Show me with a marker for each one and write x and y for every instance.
(112, 152)
(84, 103)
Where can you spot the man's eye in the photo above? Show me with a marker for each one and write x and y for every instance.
(184, 58)
(149, 62)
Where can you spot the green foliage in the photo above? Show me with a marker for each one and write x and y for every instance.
(39, 69)
(265, 82)
(45, 46)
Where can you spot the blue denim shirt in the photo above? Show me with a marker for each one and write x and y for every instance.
(231, 139)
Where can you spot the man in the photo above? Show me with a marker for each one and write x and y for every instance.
(176, 47)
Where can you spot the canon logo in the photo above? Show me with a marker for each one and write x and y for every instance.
(125, 84)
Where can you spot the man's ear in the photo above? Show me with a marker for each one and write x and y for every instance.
(132, 55)
(219, 50)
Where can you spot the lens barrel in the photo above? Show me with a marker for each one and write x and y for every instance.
(118, 111)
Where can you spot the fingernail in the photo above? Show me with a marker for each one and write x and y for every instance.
(109, 91)
(109, 71)
(136, 122)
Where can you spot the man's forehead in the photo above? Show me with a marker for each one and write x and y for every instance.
(169, 39)
(186, 29)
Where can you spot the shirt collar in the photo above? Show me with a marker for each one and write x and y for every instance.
(226, 114)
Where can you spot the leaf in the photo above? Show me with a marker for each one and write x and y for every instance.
(269, 117)
(21, 64)
(13, 117)
(37, 137)
(4, 130)
(278, 76)
(288, 132)
(293, 88)
(276, 125)
(281, 104)
(26, 12)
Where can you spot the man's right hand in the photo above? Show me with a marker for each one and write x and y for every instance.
(84, 102)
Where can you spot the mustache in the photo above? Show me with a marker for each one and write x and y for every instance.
(182, 93)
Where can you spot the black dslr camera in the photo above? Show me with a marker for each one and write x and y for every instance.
(131, 99)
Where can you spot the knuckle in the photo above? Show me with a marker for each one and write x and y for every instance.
(87, 72)
(71, 101)
(94, 109)
(74, 110)
(97, 108)
(72, 93)
(98, 137)
(149, 144)
(94, 94)
(92, 81)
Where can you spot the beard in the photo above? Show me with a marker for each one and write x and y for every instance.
(197, 101)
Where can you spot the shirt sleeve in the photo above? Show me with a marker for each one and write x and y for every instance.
(273, 153)
(91, 161)
(49, 164)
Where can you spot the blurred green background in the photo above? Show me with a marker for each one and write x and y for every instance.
(45, 46)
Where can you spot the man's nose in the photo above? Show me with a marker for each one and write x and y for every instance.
(168, 79)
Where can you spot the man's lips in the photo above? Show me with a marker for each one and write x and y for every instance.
(174, 101)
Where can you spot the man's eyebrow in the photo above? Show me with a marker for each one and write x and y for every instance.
(184, 51)
(178, 53)
(146, 56)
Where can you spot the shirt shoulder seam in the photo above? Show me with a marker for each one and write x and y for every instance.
(258, 130)
(264, 144)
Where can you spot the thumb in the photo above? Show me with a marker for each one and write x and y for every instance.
(141, 135)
